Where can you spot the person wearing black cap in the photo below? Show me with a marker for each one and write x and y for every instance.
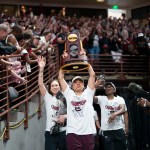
(112, 107)
(80, 111)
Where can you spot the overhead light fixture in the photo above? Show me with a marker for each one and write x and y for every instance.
(100, 0)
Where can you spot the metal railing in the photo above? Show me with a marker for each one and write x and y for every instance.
(26, 91)
(129, 68)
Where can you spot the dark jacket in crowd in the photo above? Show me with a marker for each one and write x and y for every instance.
(142, 45)
(6, 50)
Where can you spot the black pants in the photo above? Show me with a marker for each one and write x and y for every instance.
(54, 142)
(114, 140)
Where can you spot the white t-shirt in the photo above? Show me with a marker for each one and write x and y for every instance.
(23, 53)
(80, 112)
(123, 121)
(107, 108)
(96, 41)
(43, 40)
(95, 116)
(53, 106)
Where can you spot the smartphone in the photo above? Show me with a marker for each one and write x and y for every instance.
(102, 77)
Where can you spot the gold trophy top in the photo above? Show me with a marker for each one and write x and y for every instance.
(74, 57)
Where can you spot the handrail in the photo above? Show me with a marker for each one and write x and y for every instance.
(128, 65)
(26, 91)
(10, 56)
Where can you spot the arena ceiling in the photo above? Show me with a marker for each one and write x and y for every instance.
(122, 4)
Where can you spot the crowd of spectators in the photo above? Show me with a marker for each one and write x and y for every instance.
(24, 38)
(108, 34)
(29, 36)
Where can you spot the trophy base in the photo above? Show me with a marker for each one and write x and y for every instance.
(73, 67)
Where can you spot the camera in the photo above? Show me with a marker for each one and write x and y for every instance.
(60, 96)
(102, 78)
(55, 130)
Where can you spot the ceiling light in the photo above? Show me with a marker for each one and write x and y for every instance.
(100, 0)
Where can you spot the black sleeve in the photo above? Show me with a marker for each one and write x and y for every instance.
(6, 50)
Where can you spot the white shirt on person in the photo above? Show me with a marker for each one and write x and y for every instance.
(95, 116)
(43, 40)
(96, 41)
(53, 106)
(107, 108)
(80, 112)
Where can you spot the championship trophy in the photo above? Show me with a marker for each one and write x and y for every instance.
(74, 57)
